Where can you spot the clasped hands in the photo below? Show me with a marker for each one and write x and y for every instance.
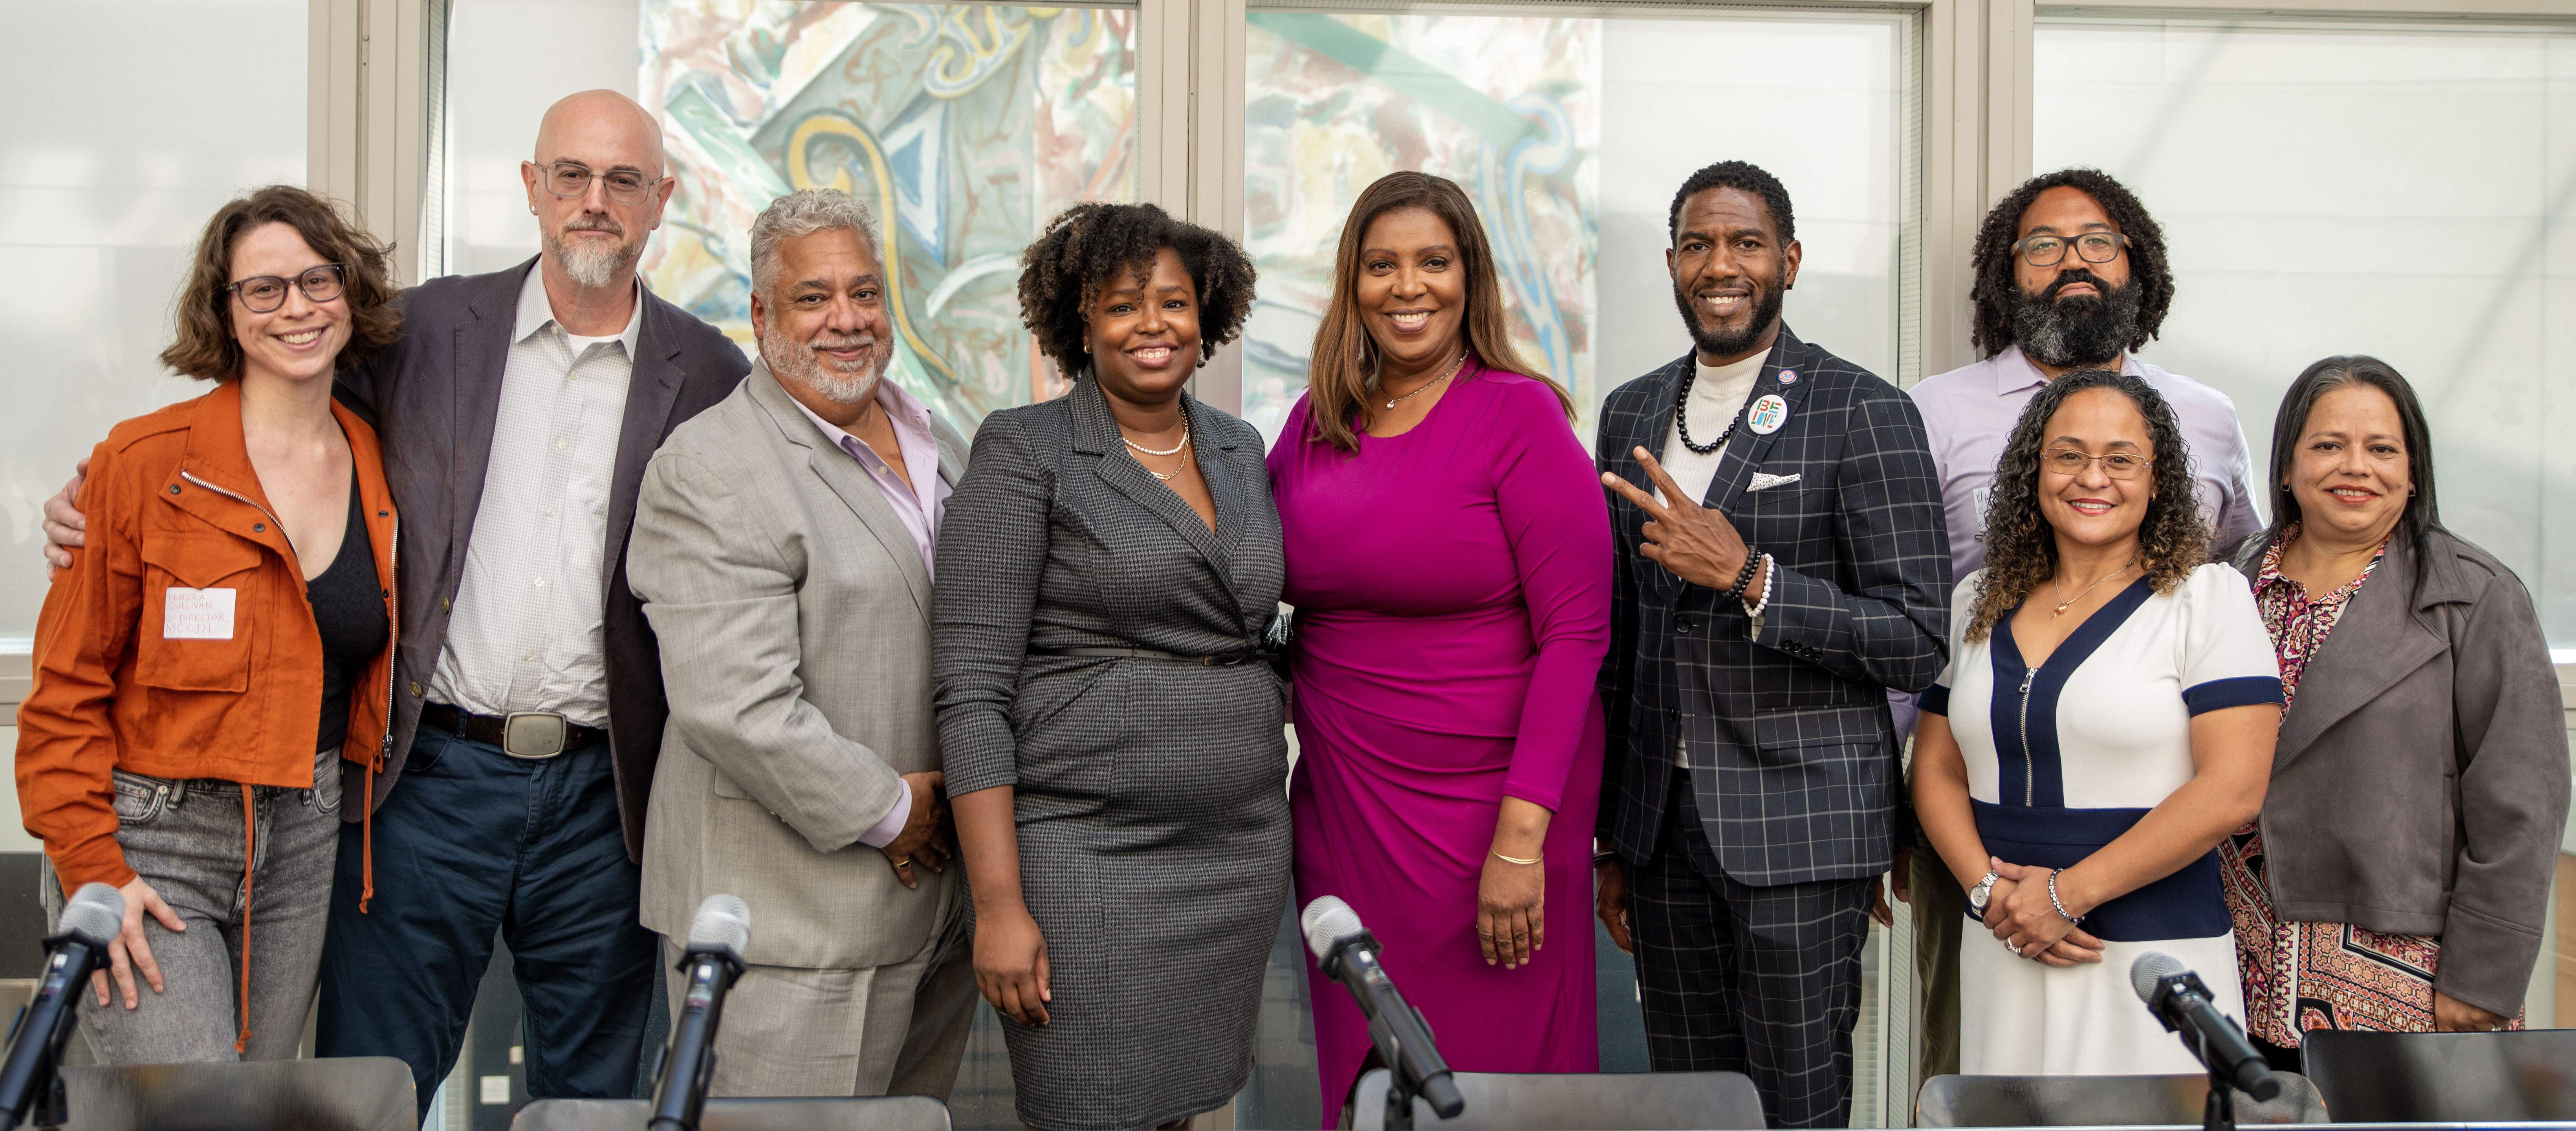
(2021, 915)
(1694, 543)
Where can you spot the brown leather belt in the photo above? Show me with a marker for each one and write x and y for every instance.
(497, 730)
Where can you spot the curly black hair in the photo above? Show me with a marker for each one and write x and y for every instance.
(1744, 176)
(1091, 244)
(1995, 287)
(2021, 548)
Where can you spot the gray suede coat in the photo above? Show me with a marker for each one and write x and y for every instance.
(2421, 779)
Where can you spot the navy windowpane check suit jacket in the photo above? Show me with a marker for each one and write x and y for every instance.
(1793, 757)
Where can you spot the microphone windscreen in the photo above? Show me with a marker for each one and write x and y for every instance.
(723, 921)
(96, 910)
(1328, 920)
(2152, 967)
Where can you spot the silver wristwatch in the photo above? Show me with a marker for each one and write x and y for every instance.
(1977, 895)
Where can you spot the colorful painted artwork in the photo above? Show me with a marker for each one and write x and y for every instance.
(1505, 106)
(963, 128)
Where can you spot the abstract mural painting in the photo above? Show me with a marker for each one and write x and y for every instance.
(963, 128)
(1507, 107)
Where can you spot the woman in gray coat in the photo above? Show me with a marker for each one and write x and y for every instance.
(1111, 730)
(2399, 874)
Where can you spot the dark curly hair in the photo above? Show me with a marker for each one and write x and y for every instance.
(1744, 176)
(1995, 287)
(2021, 548)
(205, 347)
(1092, 244)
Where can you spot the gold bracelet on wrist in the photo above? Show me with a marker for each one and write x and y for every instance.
(1498, 855)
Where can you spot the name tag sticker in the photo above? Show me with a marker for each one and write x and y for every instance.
(197, 614)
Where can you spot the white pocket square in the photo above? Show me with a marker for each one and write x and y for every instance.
(1763, 480)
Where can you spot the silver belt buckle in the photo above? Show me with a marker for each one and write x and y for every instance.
(532, 734)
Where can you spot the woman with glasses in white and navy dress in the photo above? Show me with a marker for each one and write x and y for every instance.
(2106, 721)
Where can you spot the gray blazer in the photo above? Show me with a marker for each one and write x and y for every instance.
(2420, 783)
(794, 614)
(433, 398)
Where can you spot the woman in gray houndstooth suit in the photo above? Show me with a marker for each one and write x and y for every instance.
(1111, 733)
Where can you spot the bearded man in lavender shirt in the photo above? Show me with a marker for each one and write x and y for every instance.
(782, 547)
(2070, 274)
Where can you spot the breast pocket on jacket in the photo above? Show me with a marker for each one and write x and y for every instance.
(200, 605)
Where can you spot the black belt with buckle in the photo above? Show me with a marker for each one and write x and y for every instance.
(1220, 661)
(519, 734)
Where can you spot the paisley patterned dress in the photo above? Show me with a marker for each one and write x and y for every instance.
(2302, 976)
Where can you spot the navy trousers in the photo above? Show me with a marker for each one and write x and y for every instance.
(473, 842)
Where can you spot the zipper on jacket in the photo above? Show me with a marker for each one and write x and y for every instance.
(393, 604)
(2029, 772)
(191, 477)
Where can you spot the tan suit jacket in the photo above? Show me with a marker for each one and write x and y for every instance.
(793, 611)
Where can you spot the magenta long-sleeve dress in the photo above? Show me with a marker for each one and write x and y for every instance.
(1452, 587)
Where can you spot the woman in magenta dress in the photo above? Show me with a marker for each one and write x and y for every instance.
(1449, 560)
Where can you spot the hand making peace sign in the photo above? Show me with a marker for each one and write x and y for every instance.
(1695, 543)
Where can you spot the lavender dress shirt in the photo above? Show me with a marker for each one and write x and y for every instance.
(920, 504)
(1969, 412)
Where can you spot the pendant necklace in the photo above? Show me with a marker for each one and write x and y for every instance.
(1453, 371)
(1174, 450)
(2097, 583)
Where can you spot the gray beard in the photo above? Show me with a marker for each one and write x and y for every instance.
(795, 361)
(2085, 332)
(591, 268)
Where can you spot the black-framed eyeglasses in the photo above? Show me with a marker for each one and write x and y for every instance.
(2091, 247)
(2117, 465)
(265, 293)
(571, 179)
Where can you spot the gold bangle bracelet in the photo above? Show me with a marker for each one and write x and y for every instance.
(1498, 855)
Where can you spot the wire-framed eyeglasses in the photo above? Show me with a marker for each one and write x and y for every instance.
(2117, 465)
(570, 179)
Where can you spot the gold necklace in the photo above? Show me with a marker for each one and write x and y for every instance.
(2097, 583)
(1175, 473)
(1453, 371)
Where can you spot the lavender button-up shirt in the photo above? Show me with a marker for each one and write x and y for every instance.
(920, 504)
(1969, 413)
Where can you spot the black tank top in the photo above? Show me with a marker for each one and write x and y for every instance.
(349, 609)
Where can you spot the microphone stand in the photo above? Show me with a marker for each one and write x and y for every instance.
(2218, 1112)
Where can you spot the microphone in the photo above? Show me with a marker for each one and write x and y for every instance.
(91, 919)
(1348, 953)
(712, 960)
(2179, 999)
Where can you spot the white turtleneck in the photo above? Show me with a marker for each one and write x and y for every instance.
(1716, 395)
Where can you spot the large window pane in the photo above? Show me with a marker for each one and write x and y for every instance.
(1572, 134)
(2405, 191)
(963, 128)
(106, 179)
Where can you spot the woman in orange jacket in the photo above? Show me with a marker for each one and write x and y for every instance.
(222, 644)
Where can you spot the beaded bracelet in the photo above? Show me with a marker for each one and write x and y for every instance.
(2052, 899)
(1744, 577)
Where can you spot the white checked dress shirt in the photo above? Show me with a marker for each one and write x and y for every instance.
(525, 633)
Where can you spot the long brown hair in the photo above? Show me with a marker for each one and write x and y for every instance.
(204, 345)
(2021, 548)
(1345, 356)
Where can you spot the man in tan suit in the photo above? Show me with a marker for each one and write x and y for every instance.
(783, 548)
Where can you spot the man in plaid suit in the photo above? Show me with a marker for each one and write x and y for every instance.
(1752, 768)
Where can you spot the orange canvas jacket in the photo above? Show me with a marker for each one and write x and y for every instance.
(173, 503)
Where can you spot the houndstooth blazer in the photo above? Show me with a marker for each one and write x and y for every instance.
(1792, 755)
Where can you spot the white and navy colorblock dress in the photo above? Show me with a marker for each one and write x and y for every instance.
(2064, 757)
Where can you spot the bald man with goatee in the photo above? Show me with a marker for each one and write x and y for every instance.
(517, 414)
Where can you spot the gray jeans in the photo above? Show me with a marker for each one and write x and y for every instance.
(185, 839)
